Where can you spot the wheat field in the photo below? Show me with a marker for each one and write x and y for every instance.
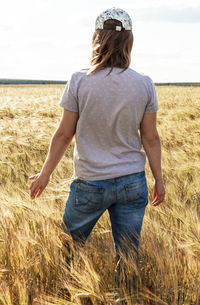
(32, 253)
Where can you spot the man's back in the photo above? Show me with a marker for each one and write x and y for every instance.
(110, 108)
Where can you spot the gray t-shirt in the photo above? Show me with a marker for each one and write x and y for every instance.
(111, 108)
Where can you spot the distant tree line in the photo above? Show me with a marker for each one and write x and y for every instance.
(29, 81)
(6, 81)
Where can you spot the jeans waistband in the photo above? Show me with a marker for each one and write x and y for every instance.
(121, 178)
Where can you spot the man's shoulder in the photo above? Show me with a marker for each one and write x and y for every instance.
(139, 75)
(80, 73)
(139, 78)
(77, 75)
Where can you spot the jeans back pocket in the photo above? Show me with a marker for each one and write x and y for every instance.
(137, 193)
(88, 197)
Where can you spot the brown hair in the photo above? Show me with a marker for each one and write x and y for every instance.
(111, 48)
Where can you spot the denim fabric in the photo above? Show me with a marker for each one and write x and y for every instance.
(125, 197)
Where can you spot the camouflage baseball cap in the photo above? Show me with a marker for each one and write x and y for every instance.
(117, 14)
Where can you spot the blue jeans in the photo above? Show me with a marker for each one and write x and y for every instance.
(125, 197)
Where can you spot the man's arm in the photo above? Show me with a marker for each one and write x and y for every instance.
(59, 143)
(152, 146)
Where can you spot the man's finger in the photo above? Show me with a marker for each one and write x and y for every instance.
(39, 192)
(34, 191)
(157, 201)
(33, 185)
(33, 196)
(154, 201)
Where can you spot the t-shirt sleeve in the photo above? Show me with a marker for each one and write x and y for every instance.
(68, 99)
(152, 105)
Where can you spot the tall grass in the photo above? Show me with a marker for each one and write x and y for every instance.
(33, 266)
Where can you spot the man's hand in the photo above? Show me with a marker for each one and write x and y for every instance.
(158, 192)
(39, 183)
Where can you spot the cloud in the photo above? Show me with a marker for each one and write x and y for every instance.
(167, 14)
(6, 27)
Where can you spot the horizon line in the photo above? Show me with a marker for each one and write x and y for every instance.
(16, 81)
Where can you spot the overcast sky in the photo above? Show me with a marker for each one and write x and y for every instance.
(50, 39)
